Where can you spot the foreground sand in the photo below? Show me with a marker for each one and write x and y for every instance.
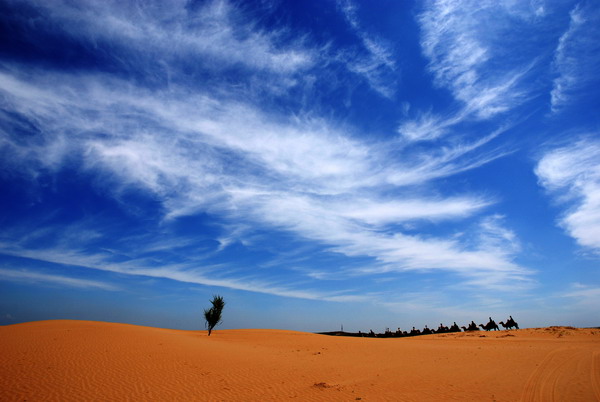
(83, 360)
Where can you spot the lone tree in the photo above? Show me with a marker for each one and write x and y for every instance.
(213, 315)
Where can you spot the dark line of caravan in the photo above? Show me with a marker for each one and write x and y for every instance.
(491, 325)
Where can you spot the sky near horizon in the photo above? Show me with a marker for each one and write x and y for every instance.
(317, 163)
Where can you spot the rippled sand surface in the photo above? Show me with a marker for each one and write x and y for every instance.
(84, 360)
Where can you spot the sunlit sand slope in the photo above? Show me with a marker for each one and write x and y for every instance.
(82, 360)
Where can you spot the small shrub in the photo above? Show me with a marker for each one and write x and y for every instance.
(213, 315)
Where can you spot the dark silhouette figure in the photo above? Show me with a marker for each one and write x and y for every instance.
(213, 315)
(454, 328)
(510, 323)
(415, 331)
(490, 325)
(426, 331)
(472, 327)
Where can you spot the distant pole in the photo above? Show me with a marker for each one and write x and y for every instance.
(342, 327)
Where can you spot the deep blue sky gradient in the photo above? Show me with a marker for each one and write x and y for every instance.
(320, 163)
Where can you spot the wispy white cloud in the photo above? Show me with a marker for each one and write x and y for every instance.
(215, 32)
(576, 58)
(379, 67)
(61, 280)
(395, 251)
(232, 159)
(494, 235)
(305, 151)
(194, 149)
(583, 295)
(461, 40)
(189, 272)
(457, 38)
(572, 174)
(429, 126)
(379, 212)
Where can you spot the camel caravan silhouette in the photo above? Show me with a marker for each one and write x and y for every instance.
(491, 325)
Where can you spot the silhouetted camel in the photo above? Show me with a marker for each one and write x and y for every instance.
(510, 323)
(454, 328)
(426, 331)
(490, 325)
(472, 327)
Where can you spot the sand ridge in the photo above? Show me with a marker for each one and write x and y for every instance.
(82, 360)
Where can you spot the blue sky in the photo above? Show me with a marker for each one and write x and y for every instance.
(380, 164)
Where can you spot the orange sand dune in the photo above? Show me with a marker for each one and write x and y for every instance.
(82, 360)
